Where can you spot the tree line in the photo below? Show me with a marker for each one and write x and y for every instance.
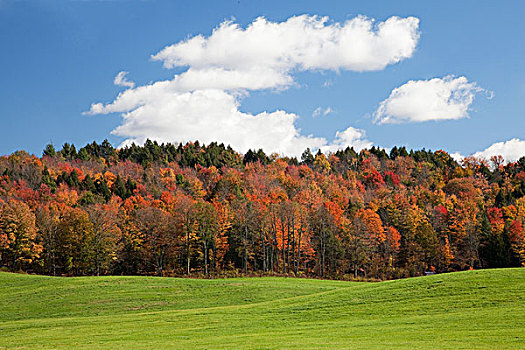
(192, 209)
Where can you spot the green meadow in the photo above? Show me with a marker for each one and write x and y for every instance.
(482, 309)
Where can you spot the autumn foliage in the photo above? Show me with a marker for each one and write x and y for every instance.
(207, 210)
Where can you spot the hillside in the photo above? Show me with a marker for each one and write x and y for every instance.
(464, 310)
(194, 210)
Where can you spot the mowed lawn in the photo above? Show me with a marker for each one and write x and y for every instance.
(465, 310)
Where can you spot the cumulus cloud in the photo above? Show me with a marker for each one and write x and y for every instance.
(213, 115)
(458, 157)
(302, 42)
(203, 102)
(511, 150)
(122, 80)
(424, 100)
(351, 137)
(319, 111)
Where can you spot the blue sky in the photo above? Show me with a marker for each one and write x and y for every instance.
(60, 57)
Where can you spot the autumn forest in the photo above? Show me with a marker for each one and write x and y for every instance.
(206, 210)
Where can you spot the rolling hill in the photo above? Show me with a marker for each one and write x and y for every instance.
(482, 309)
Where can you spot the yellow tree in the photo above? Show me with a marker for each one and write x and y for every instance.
(48, 220)
(75, 237)
(225, 218)
(18, 233)
(367, 237)
(106, 234)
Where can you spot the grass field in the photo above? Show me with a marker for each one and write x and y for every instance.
(465, 310)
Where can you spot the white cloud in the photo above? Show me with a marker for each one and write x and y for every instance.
(203, 102)
(213, 115)
(457, 156)
(122, 80)
(350, 137)
(511, 150)
(302, 42)
(424, 100)
(322, 111)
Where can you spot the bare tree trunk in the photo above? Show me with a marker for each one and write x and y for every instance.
(245, 249)
(288, 245)
(53, 254)
(275, 247)
(188, 251)
(283, 250)
(214, 263)
(299, 248)
(323, 256)
(264, 251)
(159, 261)
(205, 243)
(293, 248)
